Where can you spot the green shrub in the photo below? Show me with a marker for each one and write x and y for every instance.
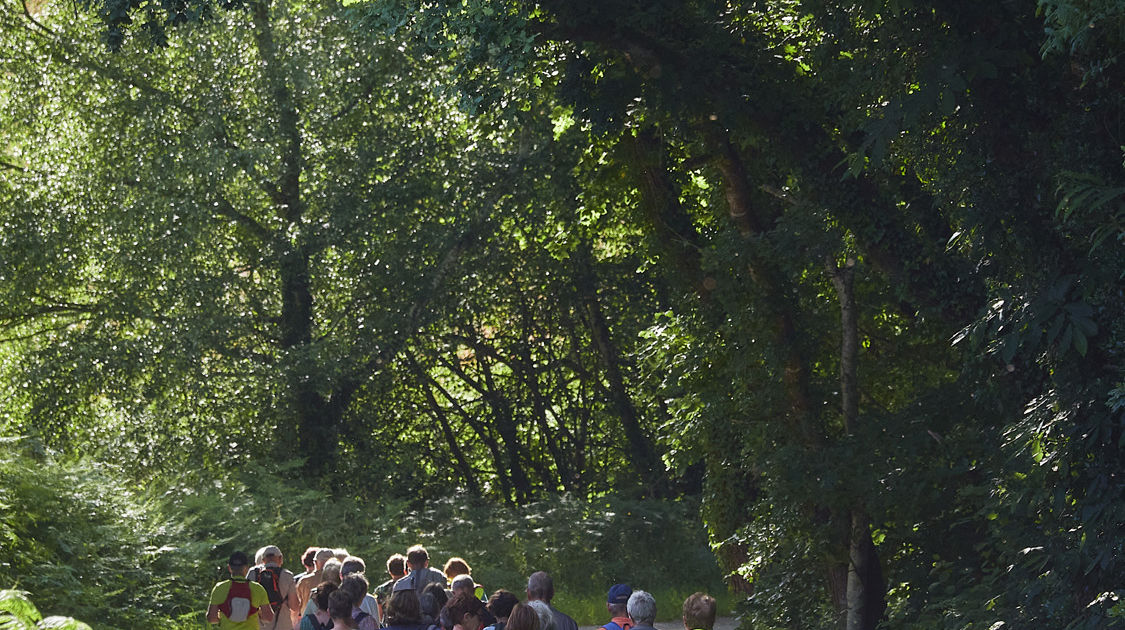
(121, 555)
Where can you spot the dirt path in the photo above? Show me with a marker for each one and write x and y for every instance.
(721, 623)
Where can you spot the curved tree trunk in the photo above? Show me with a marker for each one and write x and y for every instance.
(641, 452)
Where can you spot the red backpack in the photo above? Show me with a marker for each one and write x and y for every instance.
(239, 604)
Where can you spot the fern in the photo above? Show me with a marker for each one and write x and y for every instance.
(1086, 197)
(17, 612)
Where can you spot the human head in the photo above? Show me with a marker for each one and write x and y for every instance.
(440, 597)
(238, 564)
(271, 556)
(321, 593)
(617, 599)
(417, 557)
(540, 586)
(259, 555)
(396, 566)
(699, 611)
(340, 607)
(402, 608)
(429, 607)
(464, 609)
(462, 584)
(340, 554)
(331, 571)
(355, 585)
(522, 617)
(642, 608)
(352, 564)
(501, 604)
(308, 559)
(546, 618)
(322, 556)
(454, 567)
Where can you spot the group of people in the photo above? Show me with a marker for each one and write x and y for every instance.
(333, 593)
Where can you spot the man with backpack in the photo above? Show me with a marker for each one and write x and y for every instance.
(238, 603)
(396, 568)
(418, 559)
(280, 588)
(617, 604)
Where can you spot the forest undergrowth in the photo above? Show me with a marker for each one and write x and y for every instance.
(85, 541)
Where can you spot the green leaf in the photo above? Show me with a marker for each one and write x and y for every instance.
(17, 612)
(63, 623)
(1080, 343)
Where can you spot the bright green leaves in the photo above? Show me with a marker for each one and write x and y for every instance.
(488, 45)
(17, 612)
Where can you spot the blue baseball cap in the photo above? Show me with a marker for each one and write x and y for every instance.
(619, 594)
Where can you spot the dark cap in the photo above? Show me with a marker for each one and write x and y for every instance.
(238, 559)
(619, 594)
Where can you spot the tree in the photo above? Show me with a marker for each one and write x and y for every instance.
(252, 227)
(291, 242)
(826, 130)
(744, 155)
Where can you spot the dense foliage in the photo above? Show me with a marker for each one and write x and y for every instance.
(853, 271)
(83, 540)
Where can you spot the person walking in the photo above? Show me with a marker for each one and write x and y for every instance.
(238, 603)
(540, 587)
(642, 610)
(699, 612)
(280, 587)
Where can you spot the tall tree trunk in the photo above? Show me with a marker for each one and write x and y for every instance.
(318, 416)
(843, 279)
(751, 212)
(864, 592)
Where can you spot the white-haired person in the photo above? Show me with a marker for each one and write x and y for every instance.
(642, 610)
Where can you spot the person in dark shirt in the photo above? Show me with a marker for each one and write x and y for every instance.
(540, 587)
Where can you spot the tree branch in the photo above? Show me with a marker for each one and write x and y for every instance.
(226, 209)
(12, 167)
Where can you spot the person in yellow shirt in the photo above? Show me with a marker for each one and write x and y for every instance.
(237, 603)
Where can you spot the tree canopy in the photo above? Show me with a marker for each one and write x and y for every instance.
(852, 271)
